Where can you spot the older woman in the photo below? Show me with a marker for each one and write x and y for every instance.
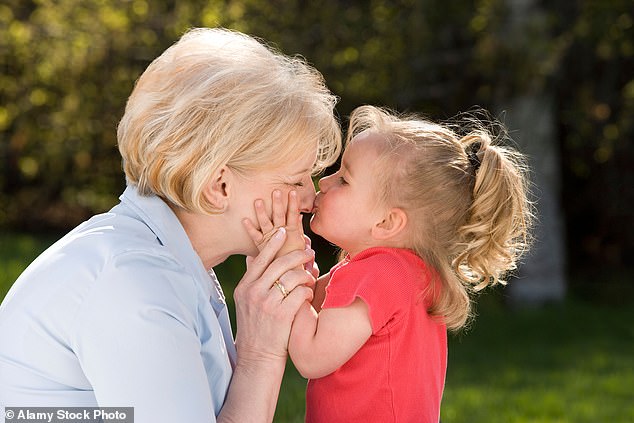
(125, 310)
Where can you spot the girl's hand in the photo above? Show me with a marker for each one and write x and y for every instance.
(311, 266)
(287, 217)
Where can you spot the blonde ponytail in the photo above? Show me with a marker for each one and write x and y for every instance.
(496, 233)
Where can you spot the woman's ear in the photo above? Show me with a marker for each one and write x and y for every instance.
(393, 223)
(217, 190)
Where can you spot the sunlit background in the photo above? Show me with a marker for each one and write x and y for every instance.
(557, 345)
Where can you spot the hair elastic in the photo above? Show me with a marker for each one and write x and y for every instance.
(472, 155)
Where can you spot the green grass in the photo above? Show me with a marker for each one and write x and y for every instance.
(566, 363)
(572, 362)
(16, 252)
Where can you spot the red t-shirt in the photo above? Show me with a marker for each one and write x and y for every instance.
(398, 375)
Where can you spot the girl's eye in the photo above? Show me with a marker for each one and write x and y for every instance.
(299, 184)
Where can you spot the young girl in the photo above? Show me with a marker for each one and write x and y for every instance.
(426, 216)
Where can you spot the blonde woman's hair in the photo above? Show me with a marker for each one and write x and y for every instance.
(466, 197)
(221, 98)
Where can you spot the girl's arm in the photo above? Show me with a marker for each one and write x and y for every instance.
(322, 342)
(320, 291)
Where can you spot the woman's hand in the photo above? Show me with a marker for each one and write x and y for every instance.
(264, 309)
(264, 315)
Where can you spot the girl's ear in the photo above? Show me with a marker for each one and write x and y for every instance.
(392, 225)
(218, 187)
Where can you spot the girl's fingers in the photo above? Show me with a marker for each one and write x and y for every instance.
(300, 224)
(312, 268)
(254, 233)
(260, 263)
(263, 218)
(293, 216)
(279, 210)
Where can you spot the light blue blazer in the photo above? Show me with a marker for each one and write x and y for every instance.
(120, 312)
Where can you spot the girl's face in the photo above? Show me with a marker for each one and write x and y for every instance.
(346, 207)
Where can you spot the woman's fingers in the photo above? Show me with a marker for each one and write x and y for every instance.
(296, 277)
(264, 309)
(294, 260)
(297, 297)
(312, 268)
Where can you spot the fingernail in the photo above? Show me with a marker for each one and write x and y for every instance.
(309, 252)
(280, 233)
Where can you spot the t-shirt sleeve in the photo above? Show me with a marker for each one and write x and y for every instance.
(377, 280)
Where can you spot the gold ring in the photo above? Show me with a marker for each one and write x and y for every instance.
(281, 287)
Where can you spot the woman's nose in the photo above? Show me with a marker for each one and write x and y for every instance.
(323, 183)
(307, 198)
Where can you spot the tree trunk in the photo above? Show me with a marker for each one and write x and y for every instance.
(541, 276)
(530, 120)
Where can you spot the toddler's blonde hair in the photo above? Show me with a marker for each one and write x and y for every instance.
(466, 198)
(218, 97)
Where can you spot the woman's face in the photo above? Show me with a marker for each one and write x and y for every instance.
(292, 176)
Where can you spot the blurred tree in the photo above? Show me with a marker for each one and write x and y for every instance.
(68, 66)
(530, 115)
(594, 87)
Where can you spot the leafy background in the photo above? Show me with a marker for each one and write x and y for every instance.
(68, 66)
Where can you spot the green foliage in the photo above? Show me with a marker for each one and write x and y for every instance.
(68, 67)
(595, 90)
(16, 252)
